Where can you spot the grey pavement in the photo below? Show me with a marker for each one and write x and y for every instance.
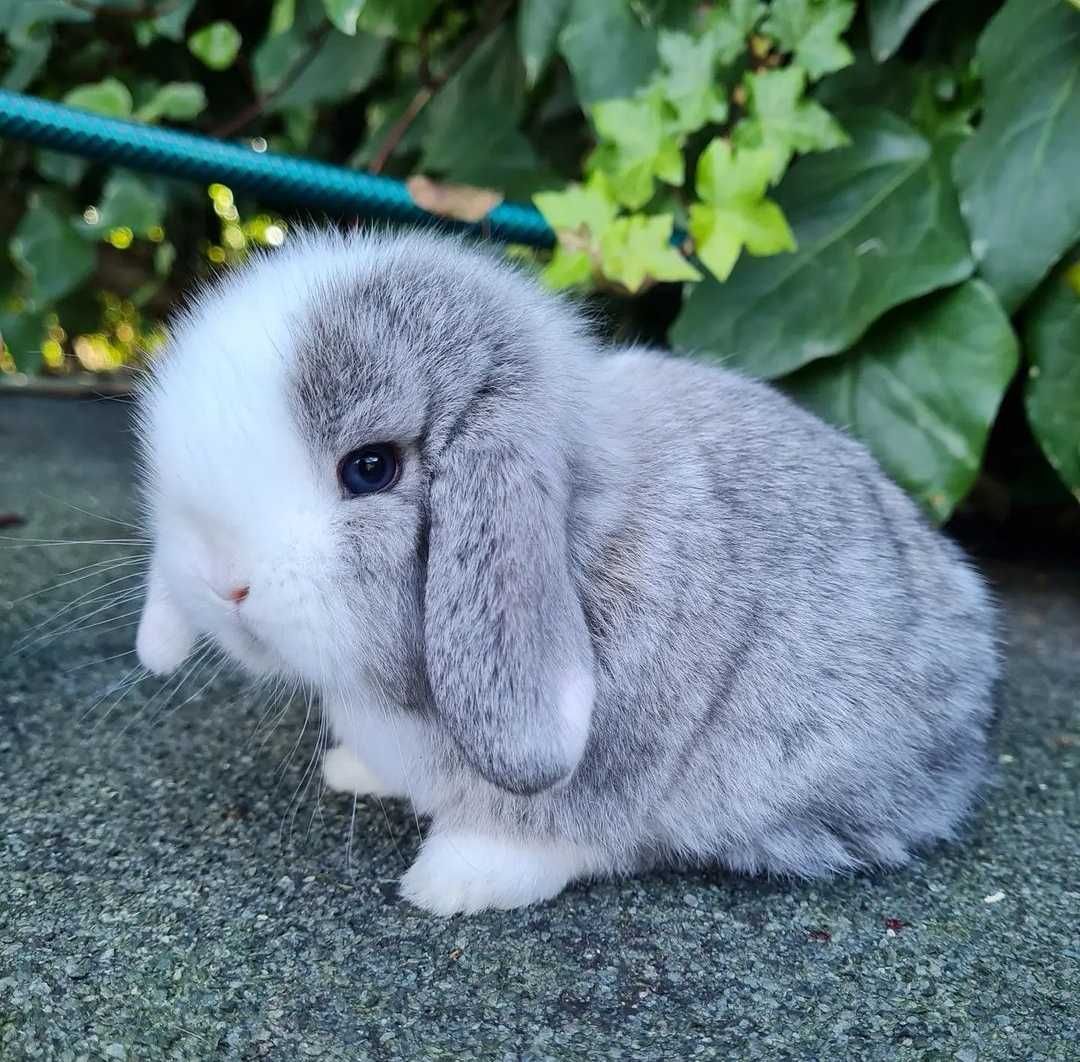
(165, 894)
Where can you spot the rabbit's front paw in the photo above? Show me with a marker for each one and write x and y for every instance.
(344, 773)
(462, 873)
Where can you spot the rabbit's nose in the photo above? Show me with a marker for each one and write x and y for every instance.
(233, 594)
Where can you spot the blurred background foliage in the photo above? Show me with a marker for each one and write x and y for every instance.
(875, 204)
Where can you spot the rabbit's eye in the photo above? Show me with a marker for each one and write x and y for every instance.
(369, 469)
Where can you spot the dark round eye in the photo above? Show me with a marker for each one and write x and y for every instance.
(369, 469)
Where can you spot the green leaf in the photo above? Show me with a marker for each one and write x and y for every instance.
(109, 97)
(1019, 175)
(31, 54)
(637, 147)
(730, 25)
(59, 167)
(471, 133)
(538, 26)
(579, 206)
(171, 24)
(567, 269)
(636, 249)
(344, 14)
(1051, 332)
(782, 120)
(890, 22)
(922, 390)
(876, 224)
(735, 212)
(812, 30)
(216, 45)
(129, 202)
(609, 52)
(22, 333)
(282, 16)
(48, 250)
(399, 19)
(341, 66)
(178, 101)
(689, 82)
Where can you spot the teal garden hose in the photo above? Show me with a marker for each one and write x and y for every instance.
(277, 178)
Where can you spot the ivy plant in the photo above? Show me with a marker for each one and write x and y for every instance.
(874, 204)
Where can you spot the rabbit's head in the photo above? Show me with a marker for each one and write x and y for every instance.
(357, 458)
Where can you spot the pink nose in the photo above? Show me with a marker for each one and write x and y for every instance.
(236, 594)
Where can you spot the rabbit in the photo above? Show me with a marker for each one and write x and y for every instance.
(591, 610)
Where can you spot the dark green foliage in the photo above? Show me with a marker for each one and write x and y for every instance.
(880, 196)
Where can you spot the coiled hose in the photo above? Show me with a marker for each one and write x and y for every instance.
(280, 178)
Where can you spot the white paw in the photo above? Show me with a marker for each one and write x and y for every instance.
(462, 873)
(344, 773)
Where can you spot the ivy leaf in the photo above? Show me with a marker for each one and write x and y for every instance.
(637, 149)
(60, 167)
(130, 202)
(579, 207)
(636, 249)
(567, 269)
(471, 133)
(341, 66)
(538, 26)
(876, 224)
(216, 45)
(689, 82)
(397, 19)
(1052, 395)
(109, 97)
(609, 52)
(922, 389)
(811, 29)
(782, 120)
(282, 17)
(178, 101)
(1018, 175)
(171, 24)
(22, 334)
(48, 250)
(344, 14)
(890, 22)
(730, 25)
(735, 212)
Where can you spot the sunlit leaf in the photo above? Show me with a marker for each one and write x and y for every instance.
(216, 45)
(812, 29)
(179, 101)
(637, 249)
(734, 212)
(109, 97)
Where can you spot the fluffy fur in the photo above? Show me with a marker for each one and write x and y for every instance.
(619, 609)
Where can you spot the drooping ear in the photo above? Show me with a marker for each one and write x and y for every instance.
(508, 653)
(165, 637)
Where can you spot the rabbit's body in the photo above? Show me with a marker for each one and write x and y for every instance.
(619, 609)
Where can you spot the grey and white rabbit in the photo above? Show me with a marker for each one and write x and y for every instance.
(589, 609)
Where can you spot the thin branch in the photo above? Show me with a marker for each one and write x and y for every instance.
(427, 92)
(258, 106)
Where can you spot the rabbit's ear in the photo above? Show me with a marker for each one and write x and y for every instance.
(508, 653)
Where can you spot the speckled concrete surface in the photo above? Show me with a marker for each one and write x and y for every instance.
(160, 899)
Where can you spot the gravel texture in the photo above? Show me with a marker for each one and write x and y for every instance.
(164, 895)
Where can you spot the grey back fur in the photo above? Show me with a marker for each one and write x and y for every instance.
(792, 669)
